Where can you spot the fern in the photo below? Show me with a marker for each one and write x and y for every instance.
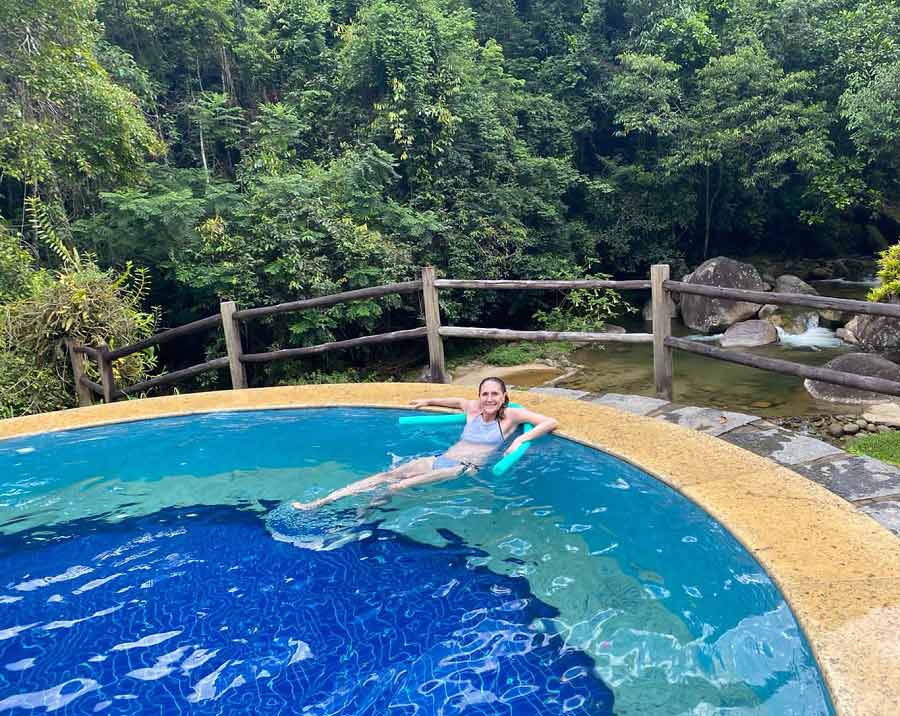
(45, 231)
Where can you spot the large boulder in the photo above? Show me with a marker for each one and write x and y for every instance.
(647, 311)
(793, 284)
(860, 364)
(877, 334)
(747, 334)
(716, 314)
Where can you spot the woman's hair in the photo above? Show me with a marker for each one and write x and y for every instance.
(502, 411)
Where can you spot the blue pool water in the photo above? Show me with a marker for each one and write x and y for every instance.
(153, 567)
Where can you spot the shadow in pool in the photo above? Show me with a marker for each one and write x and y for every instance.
(199, 608)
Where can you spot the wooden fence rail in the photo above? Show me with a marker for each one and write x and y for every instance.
(503, 334)
(664, 344)
(844, 305)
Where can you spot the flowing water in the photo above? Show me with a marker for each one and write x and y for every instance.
(623, 368)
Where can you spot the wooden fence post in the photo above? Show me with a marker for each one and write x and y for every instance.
(82, 392)
(662, 329)
(107, 379)
(433, 326)
(233, 343)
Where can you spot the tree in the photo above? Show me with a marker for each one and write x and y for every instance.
(745, 118)
(66, 129)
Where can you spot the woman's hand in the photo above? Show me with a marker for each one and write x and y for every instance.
(419, 402)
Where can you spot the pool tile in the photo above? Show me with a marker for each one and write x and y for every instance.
(561, 392)
(636, 404)
(780, 445)
(711, 421)
(854, 477)
(886, 512)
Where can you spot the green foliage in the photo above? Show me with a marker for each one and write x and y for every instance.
(881, 446)
(303, 147)
(25, 387)
(584, 309)
(508, 354)
(871, 107)
(16, 266)
(80, 301)
(348, 375)
(888, 274)
(64, 123)
(648, 94)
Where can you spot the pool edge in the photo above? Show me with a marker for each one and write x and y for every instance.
(838, 569)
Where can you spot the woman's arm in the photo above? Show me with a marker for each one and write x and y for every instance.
(455, 403)
(542, 425)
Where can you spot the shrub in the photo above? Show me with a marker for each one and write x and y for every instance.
(517, 353)
(889, 273)
(79, 301)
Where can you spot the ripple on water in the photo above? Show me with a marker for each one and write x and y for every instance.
(425, 630)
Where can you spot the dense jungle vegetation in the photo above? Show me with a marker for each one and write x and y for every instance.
(173, 153)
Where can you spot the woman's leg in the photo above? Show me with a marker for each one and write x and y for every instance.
(414, 467)
(444, 473)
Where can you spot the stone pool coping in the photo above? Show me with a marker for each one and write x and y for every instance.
(838, 569)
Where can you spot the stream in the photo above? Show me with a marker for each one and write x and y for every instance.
(626, 368)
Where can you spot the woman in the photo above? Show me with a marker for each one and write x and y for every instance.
(489, 422)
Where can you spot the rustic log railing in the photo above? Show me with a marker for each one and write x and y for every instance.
(427, 287)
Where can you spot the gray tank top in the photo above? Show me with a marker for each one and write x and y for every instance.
(482, 433)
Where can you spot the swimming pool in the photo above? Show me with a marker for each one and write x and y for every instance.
(149, 563)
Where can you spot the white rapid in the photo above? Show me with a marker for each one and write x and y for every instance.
(813, 338)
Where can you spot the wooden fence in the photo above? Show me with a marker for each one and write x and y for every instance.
(434, 332)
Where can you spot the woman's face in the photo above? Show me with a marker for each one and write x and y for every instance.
(491, 397)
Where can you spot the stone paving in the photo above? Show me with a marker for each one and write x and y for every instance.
(871, 485)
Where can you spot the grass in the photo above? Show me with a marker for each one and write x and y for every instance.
(516, 353)
(881, 446)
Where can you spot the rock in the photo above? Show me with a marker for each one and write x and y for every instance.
(830, 318)
(791, 319)
(860, 364)
(875, 241)
(836, 430)
(859, 268)
(647, 311)
(715, 314)
(877, 334)
(846, 336)
(793, 284)
(613, 328)
(862, 423)
(872, 428)
(883, 429)
(852, 326)
(884, 413)
(749, 333)
(851, 428)
(839, 268)
(761, 404)
(821, 273)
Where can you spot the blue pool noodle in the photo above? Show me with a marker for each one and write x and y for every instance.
(502, 465)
